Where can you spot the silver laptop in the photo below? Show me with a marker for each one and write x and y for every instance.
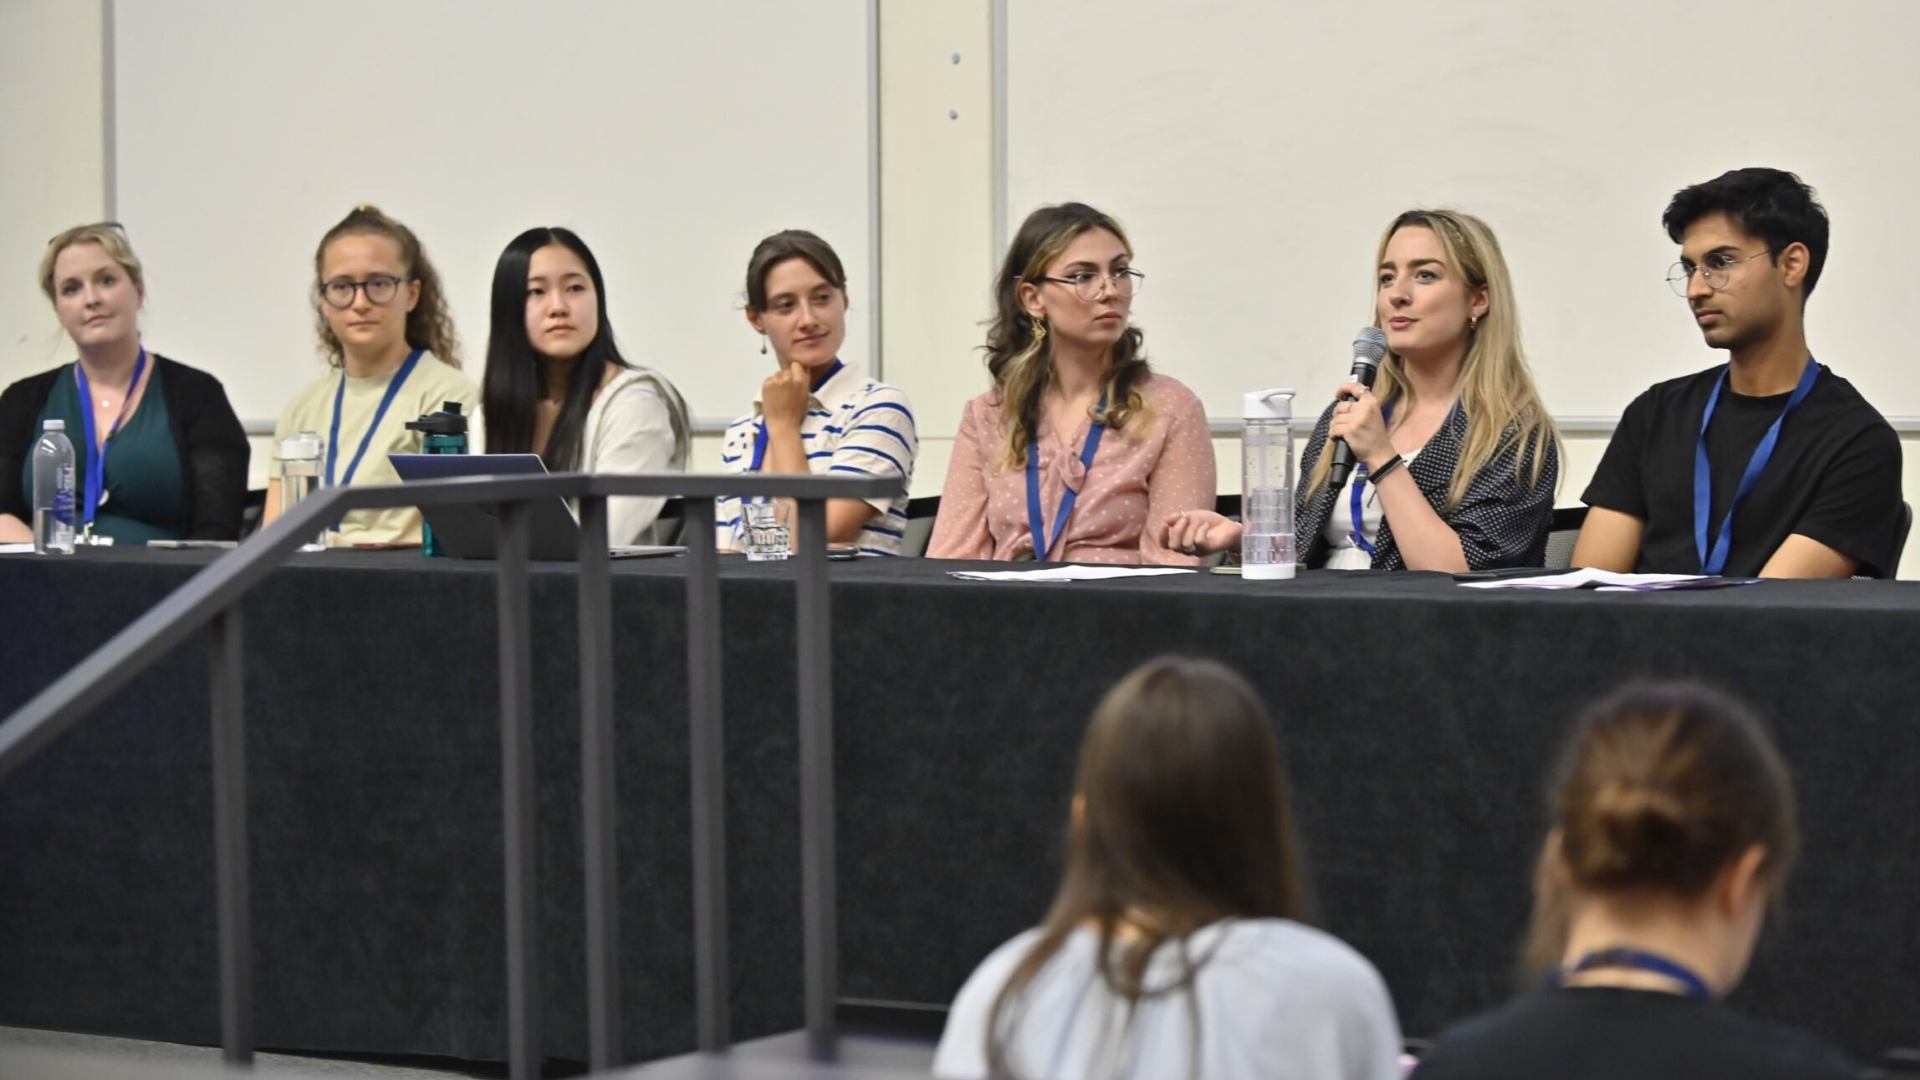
(469, 531)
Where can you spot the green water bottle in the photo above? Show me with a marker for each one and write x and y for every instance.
(446, 433)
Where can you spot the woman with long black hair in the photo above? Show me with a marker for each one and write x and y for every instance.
(556, 384)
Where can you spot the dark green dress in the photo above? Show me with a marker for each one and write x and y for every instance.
(144, 493)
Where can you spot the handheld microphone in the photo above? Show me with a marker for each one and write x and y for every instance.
(1369, 348)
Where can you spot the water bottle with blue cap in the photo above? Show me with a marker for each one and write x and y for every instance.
(444, 432)
(54, 491)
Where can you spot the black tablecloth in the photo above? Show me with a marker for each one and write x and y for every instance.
(1418, 719)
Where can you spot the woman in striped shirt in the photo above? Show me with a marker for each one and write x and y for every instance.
(817, 413)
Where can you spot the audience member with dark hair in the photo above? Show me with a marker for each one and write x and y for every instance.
(1174, 946)
(1673, 830)
(816, 413)
(1771, 465)
(556, 384)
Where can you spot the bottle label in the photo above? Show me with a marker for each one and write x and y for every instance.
(63, 495)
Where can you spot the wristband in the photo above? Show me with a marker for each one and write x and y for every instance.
(1394, 462)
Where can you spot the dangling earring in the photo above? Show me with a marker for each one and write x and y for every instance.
(763, 344)
(1039, 331)
(1473, 323)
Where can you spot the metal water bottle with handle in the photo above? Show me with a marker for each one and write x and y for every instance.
(446, 433)
(1266, 485)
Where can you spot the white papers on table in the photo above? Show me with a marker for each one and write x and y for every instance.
(1609, 581)
(16, 549)
(1069, 573)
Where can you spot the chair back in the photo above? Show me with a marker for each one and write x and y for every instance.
(920, 515)
(1561, 534)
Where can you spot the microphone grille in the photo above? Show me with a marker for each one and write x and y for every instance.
(1371, 343)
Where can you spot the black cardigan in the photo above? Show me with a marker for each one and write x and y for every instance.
(213, 447)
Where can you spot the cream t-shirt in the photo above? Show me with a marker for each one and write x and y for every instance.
(429, 386)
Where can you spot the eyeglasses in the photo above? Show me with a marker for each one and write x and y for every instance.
(1087, 283)
(380, 289)
(1717, 267)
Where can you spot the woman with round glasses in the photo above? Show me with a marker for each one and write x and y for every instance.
(158, 452)
(383, 325)
(1079, 447)
(557, 386)
(1456, 458)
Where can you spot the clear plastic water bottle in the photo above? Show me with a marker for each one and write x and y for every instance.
(53, 491)
(300, 464)
(769, 538)
(1266, 485)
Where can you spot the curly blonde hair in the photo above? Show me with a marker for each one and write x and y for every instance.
(429, 325)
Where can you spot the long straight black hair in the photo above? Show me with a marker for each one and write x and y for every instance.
(514, 382)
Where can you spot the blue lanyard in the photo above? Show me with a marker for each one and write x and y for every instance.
(1644, 961)
(1042, 546)
(1359, 533)
(760, 429)
(339, 395)
(1714, 560)
(97, 452)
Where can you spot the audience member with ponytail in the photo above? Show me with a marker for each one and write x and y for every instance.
(1079, 446)
(1174, 948)
(1674, 829)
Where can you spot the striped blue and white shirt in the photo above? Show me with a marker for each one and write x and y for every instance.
(853, 425)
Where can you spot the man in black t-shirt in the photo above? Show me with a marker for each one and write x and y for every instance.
(1801, 476)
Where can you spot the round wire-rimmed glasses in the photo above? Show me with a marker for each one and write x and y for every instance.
(1716, 267)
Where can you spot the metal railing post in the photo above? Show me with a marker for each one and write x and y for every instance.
(232, 897)
(708, 751)
(598, 791)
(813, 634)
(518, 808)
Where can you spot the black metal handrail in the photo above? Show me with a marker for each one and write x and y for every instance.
(211, 598)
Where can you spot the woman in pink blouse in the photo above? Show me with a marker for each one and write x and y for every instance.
(1079, 445)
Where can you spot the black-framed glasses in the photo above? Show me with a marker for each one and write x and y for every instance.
(1087, 283)
(380, 289)
(1717, 268)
